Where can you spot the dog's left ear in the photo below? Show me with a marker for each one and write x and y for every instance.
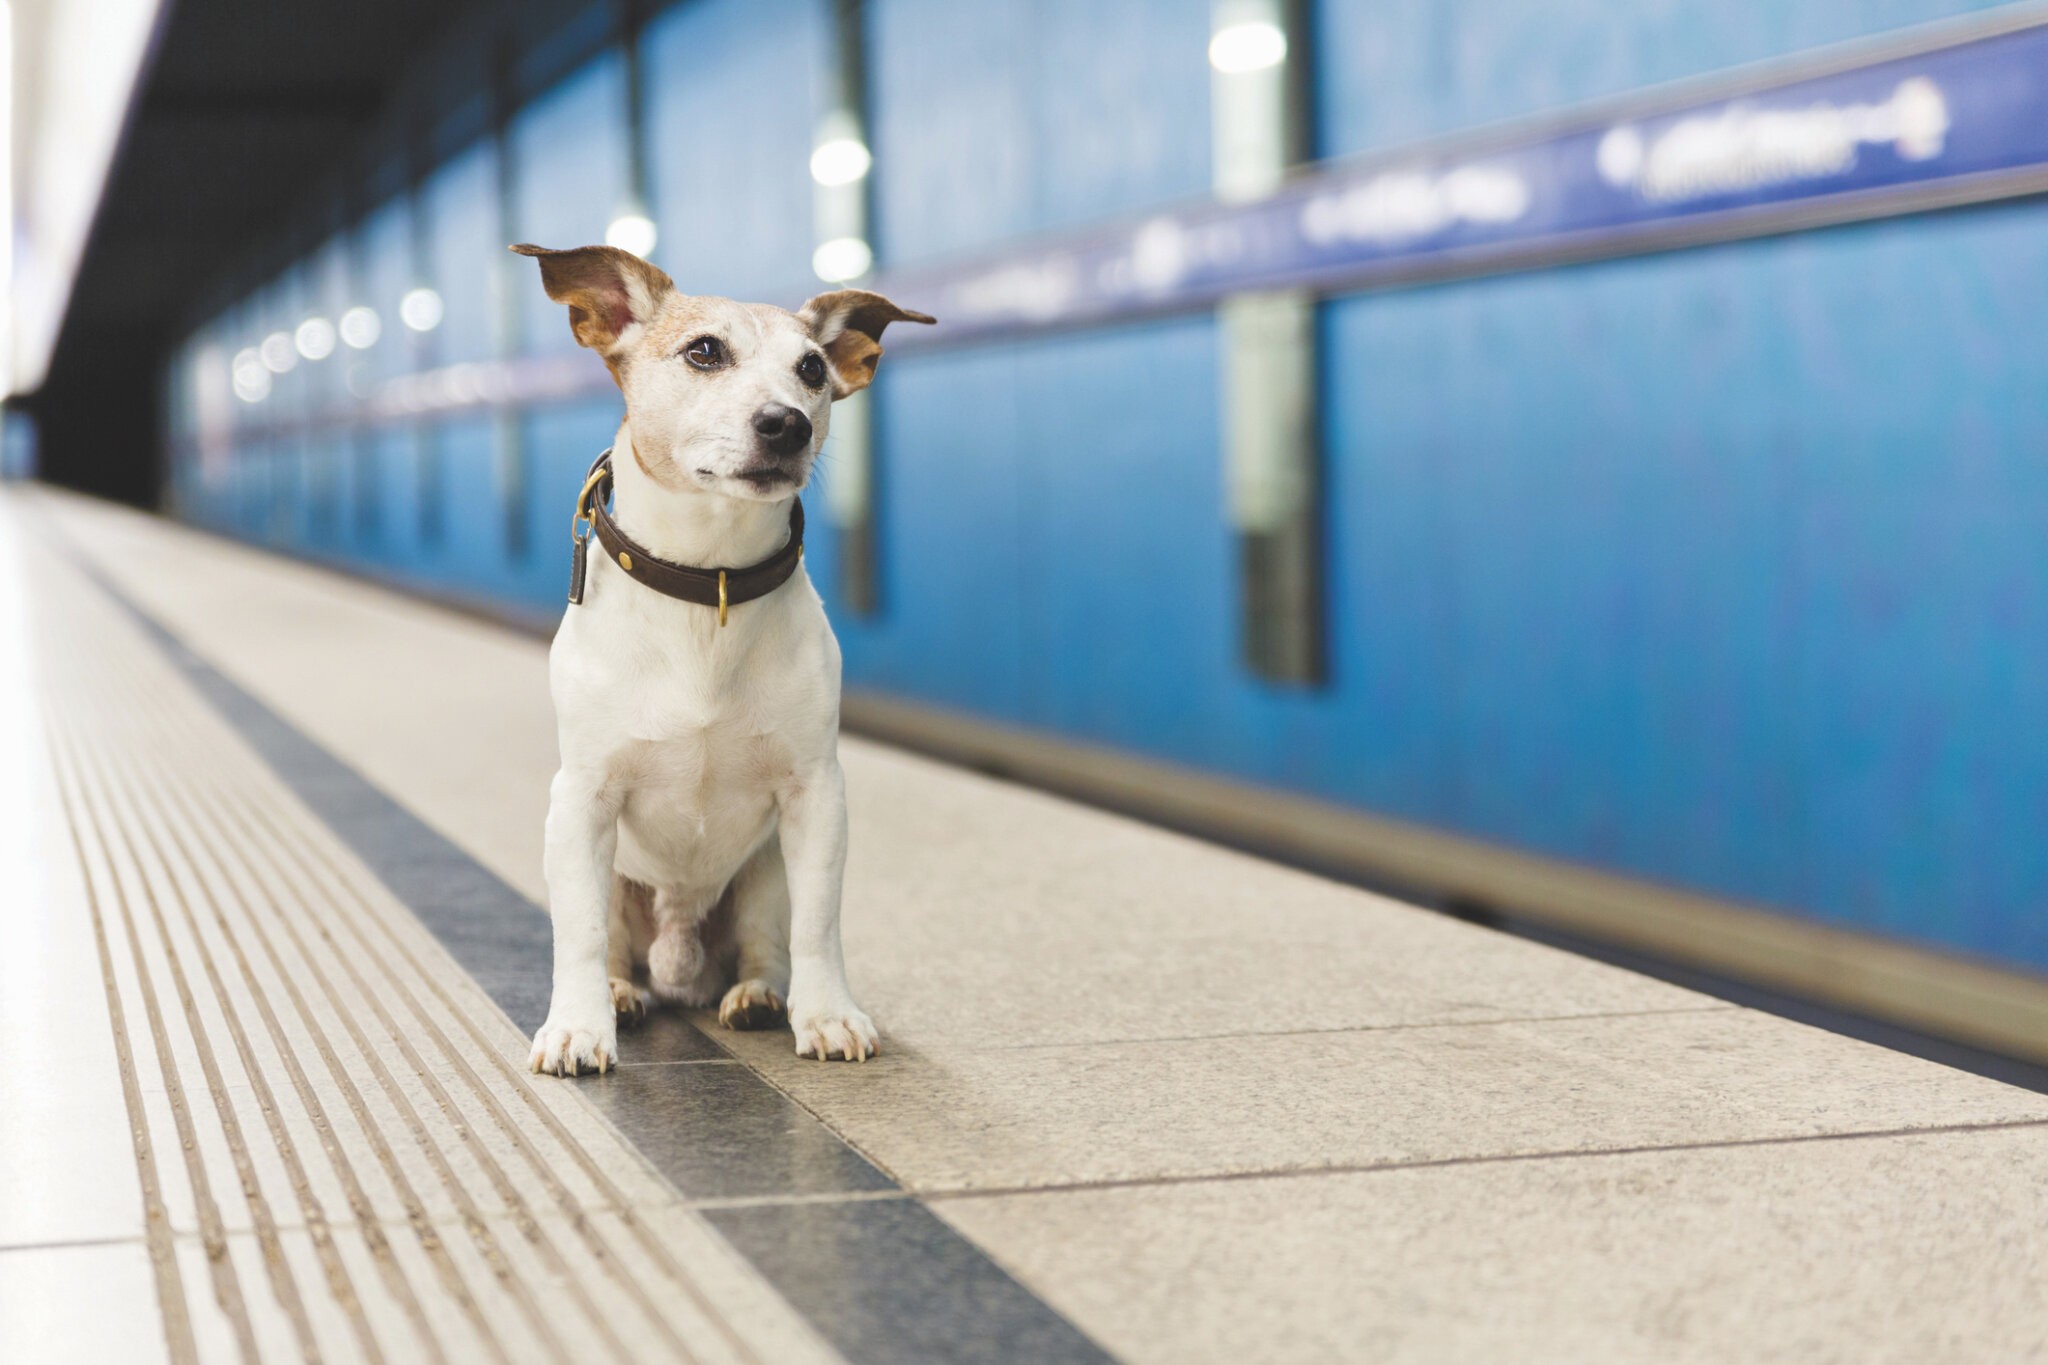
(848, 323)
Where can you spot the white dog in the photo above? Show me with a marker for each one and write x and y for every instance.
(698, 822)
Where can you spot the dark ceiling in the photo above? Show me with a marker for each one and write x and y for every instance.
(248, 106)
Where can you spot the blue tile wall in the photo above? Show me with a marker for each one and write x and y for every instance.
(570, 149)
(992, 122)
(734, 90)
(385, 241)
(460, 202)
(1397, 70)
(1720, 568)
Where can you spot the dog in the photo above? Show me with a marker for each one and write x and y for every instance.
(697, 825)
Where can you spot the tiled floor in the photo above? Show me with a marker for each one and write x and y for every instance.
(1913, 1248)
(1138, 1095)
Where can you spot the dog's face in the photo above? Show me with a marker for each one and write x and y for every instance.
(733, 398)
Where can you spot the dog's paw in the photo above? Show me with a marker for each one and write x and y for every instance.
(629, 1002)
(752, 1005)
(570, 1048)
(844, 1032)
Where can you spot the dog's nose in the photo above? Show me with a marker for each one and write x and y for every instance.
(783, 430)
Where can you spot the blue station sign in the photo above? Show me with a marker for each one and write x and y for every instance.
(1927, 122)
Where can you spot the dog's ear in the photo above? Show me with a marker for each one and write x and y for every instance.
(848, 323)
(608, 290)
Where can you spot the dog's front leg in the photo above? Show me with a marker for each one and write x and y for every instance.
(582, 1032)
(812, 813)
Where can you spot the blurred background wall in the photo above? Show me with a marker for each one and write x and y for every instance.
(1720, 567)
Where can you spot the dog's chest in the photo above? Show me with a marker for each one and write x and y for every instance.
(699, 793)
(698, 755)
(696, 729)
(689, 759)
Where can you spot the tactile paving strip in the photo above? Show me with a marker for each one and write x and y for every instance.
(341, 1153)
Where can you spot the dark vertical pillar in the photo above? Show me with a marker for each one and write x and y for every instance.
(639, 160)
(508, 423)
(422, 346)
(1271, 411)
(842, 209)
(364, 519)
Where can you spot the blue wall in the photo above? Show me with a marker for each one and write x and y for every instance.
(1721, 568)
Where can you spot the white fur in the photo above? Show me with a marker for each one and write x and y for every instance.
(695, 757)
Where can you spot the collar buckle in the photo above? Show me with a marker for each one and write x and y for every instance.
(582, 516)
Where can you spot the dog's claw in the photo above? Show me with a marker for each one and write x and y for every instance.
(629, 1002)
(562, 1049)
(847, 1035)
(752, 1005)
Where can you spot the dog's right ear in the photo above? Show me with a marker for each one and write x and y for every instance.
(608, 291)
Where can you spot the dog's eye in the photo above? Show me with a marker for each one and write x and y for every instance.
(811, 369)
(706, 353)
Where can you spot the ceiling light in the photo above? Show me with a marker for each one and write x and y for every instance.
(840, 161)
(315, 338)
(360, 327)
(632, 232)
(251, 376)
(278, 352)
(841, 259)
(1247, 47)
(420, 310)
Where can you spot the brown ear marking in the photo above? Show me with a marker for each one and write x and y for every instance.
(848, 323)
(607, 290)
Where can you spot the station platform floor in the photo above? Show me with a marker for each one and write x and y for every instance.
(274, 945)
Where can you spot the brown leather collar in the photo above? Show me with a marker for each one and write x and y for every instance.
(721, 588)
